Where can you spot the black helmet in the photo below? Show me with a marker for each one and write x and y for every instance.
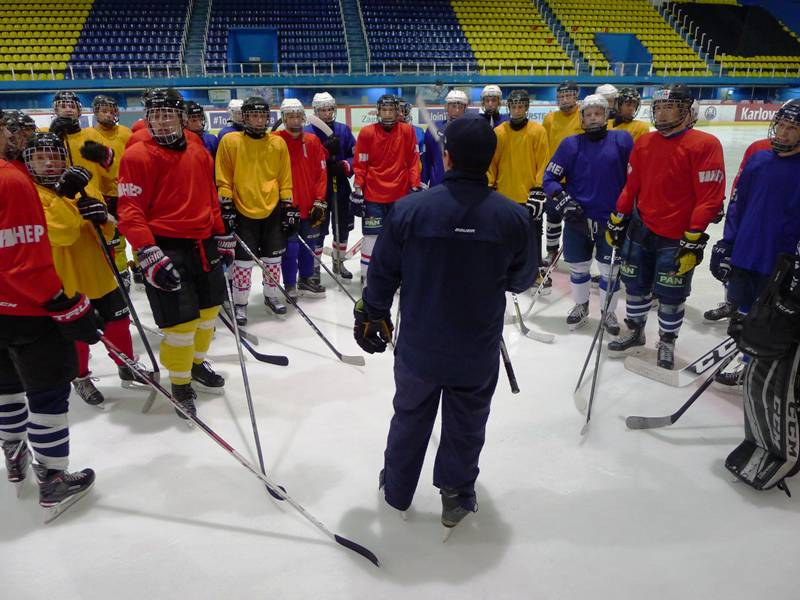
(255, 105)
(193, 109)
(106, 101)
(518, 97)
(391, 101)
(676, 94)
(66, 97)
(18, 126)
(567, 96)
(162, 101)
(629, 94)
(405, 109)
(790, 113)
(50, 148)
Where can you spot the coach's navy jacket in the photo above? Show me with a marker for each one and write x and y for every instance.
(454, 249)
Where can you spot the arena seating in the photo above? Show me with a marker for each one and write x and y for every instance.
(308, 30)
(670, 52)
(508, 33)
(37, 38)
(753, 42)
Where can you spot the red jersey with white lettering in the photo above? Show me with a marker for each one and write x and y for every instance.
(167, 193)
(309, 175)
(28, 277)
(386, 163)
(677, 182)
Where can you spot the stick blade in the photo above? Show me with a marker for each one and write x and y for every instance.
(580, 401)
(645, 368)
(275, 494)
(353, 360)
(585, 428)
(545, 338)
(358, 549)
(634, 422)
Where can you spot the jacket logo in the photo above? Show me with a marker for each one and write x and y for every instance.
(128, 189)
(712, 176)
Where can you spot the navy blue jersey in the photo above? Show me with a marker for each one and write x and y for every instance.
(495, 120)
(228, 129)
(595, 171)
(456, 249)
(433, 158)
(346, 144)
(764, 212)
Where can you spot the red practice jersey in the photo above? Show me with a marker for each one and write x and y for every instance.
(28, 277)
(309, 175)
(386, 163)
(167, 193)
(678, 182)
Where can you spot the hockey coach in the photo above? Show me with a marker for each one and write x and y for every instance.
(453, 250)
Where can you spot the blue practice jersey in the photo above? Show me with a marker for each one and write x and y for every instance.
(211, 142)
(346, 144)
(764, 212)
(595, 171)
(228, 129)
(433, 157)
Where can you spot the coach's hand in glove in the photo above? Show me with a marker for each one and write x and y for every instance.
(372, 335)
(159, 271)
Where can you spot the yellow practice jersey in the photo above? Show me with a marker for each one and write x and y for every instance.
(635, 128)
(77, 255)
(559, 126)
(115, 137)
(519, 160)
(254, 172)
(101, 177)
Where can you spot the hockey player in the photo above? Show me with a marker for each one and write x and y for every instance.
(39, 325)
(560, 124)
(309, 187)
(407, 117)
(254, 177)
(519, 161)
(197, 124)
(170, 213)
(20, 128)
(77, 255)
(450, 341)
(339, 166)
(610, 93)
(235, 119)
(763, 220)
(675, 187)
(491, 101)
(455, 105)
(627, 107)
(594, 165)
(386, 168)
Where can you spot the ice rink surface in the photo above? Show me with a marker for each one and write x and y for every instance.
(618, 514)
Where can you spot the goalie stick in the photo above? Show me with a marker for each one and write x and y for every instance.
(689, 373)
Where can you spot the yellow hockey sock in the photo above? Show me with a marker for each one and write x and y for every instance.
(177, 351)
(204, 333)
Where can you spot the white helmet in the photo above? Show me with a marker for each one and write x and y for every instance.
(607, 91)
(491, 91)
(235, 110)
(694, 113)
(456, 97)
(599, 101)
(323, 100)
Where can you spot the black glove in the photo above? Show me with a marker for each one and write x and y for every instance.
(290, 217)
(357, 202)
(569, 208)
(535, 203)
(158, 269)
(616, 227)
(228, 211)
(317, 214)
(226, 246)
(720, 264)
(72, 181)
(371, 335)
(98, 153)
(93, 210)
(332, 145)
(720, 215)
(63, 126)
(75, 317)
(788, 300)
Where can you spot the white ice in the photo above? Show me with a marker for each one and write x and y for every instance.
(620, 514)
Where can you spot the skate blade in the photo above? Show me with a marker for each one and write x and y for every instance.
(213, 391)
(148, 404)
(19, 487)
(51, 513)
(302, 294)
(134, 385)
(722, 321)
(733, 390)
(448, 531)
(574, 326)
(635, 351)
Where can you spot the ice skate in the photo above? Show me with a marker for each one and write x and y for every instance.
(381, 486)
(548, 284)
(130, 380)
(452, 511)
(185, 396)
(206, 379)
(240, 313)
(731, 381)
(85, 388)
(307, 288)
(340, 269)
(611, 324)
(666, 351)
(723, 311)
(18, 459)
(275, 306)
(630, 344)
(291, 291)
(58, 490)
(578, 316)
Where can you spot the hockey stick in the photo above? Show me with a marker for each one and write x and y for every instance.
(609, 296)
(349, 253)
(273, 487)
(545, 338)
(350, 360)
(249, 398)
(634, 422)
(512, 379)
(689, 373)
(539, 289)
(148, 404)
(327, 270)
(272, 359)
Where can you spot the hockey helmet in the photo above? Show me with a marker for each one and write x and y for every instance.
(324, 102)
(783, 138)
(255, 106)
(235, 111)
(45, 158)
(66, 100)
(596, 127)
(388, 101)
(18, 125)
(629, 94)
(165, 113)
(567, 96)
(195, 117)
(109, 119)
(676, 95)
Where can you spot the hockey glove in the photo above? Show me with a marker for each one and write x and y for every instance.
(357, 202)
(568, 208)
(72, 181)
(226, 246)
(63, 126)
(720, 215)
(93, 210)
(75, 317)
(371, 335)
(721, 261)
(317, 214)
(290, 217)
(158, 269)
(228, 212)
(535, 203)
(690, 252)
(98, 153)
(332, 145)
(616, 227)
(787, 301)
